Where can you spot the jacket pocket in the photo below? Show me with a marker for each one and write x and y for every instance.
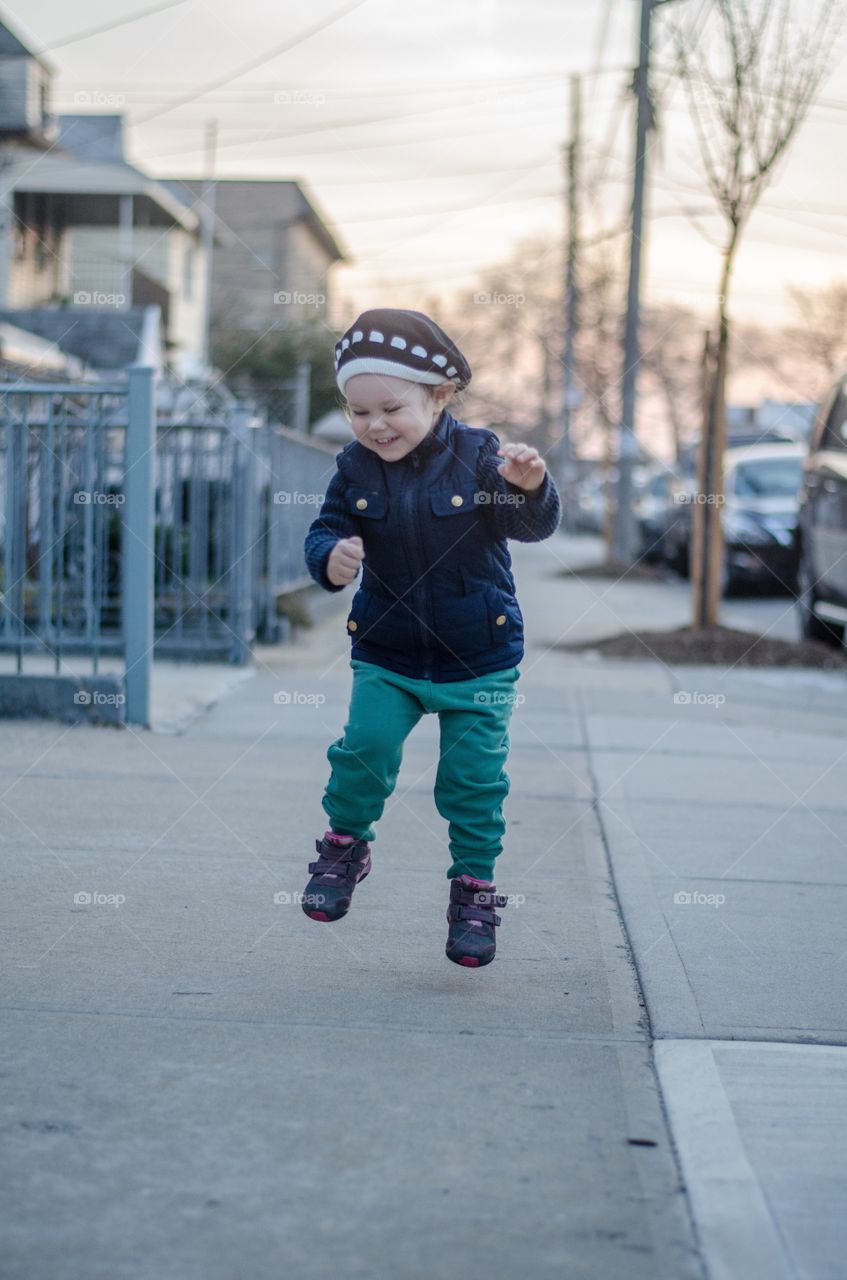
(456, 498)
(381, 621)
(503, 613)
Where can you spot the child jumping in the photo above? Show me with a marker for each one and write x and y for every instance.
(423, 504)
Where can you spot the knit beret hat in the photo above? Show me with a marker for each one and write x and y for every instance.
(401, 344)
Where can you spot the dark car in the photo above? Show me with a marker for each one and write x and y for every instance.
(653, 511)
(758, 517)
(676, 536)
(821, 539)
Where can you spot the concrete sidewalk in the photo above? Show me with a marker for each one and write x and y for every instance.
(722, 803)
(201, 1082)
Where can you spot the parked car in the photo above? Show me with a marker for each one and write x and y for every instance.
(759, 516)
(761, 500)
(591, 505)
(821, 536)
(653, 510)
(676, 540)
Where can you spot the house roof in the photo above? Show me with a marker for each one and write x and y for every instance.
(11, 46)
(103, 339)
(22, 347)
(68, 174)
(187, 190)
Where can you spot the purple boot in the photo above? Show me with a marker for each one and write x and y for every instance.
(343, 861)
(470, 938)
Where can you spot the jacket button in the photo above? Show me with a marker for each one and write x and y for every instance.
(352, 626)
(456, 500)
(361, 503)
(500, 620)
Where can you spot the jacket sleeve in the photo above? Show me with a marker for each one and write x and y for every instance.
(333, 522)
(512, 511)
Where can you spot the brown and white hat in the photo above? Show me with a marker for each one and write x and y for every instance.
(401, 344)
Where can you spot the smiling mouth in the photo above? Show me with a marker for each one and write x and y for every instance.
(388, 440)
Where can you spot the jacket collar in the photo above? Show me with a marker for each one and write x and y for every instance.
(434, 441)
(355, 456)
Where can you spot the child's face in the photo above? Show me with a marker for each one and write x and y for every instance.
(390, 415)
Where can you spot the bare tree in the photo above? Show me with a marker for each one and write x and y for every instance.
(672, 341)
(822, 335)
(508, 325)
(744, 123)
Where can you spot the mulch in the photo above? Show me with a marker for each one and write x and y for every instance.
(718, 646)
(638, 572)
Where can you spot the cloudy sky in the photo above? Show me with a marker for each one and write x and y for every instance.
(430, 134)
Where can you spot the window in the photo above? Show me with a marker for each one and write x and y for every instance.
(835, 432)
(768, 478)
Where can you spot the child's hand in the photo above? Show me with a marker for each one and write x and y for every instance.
(522, 466)
(344, 560)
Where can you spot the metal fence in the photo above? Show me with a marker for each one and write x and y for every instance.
(234, 501)
(121, 537)
(76, 466)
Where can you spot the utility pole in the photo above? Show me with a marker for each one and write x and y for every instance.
(208, 234)
(570, 392)
(624, 542)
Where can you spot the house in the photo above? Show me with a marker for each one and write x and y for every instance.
(88, 239)
(273, 270)
(84, 233)
(24, 92)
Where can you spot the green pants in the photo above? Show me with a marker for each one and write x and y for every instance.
(471, 782)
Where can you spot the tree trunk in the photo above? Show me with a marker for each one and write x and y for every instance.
(707, 549)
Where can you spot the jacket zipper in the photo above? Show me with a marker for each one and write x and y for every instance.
(420, 573)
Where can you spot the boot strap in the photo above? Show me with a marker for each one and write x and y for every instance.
(458, 912)
(336, 867)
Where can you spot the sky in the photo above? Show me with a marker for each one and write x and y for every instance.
(430, 135)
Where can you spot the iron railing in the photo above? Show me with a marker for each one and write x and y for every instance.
(119, 536)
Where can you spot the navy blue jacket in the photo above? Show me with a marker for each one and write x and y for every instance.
(437, 596)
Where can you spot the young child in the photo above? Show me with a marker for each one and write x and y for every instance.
(423, 505)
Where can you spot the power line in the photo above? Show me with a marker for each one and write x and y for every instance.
(599, 48)
(330, 126)
(340, 90)
(344, 147)
(279, 49)
(111, 26)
